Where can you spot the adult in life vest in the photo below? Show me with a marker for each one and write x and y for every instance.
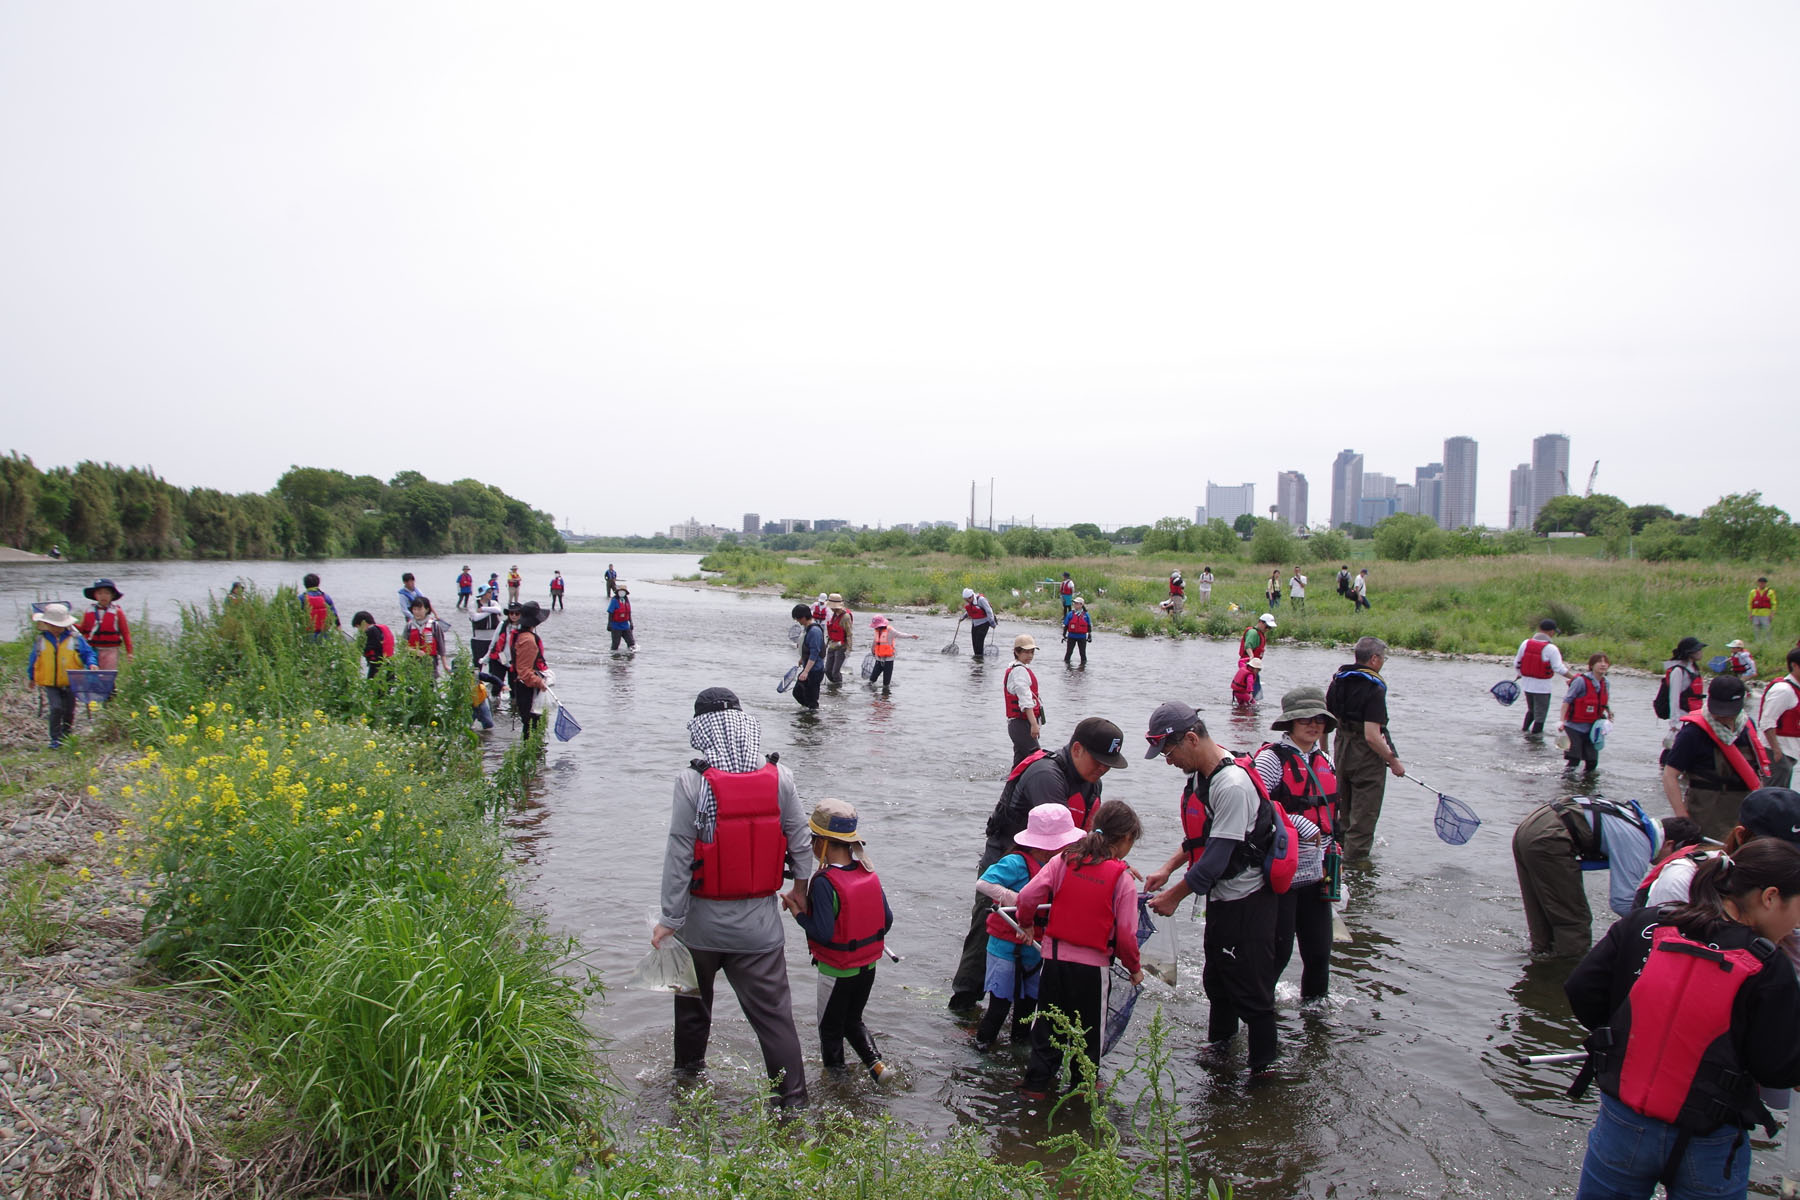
(1779, 719)
(104, 625)
(526, 655)
(557, 587)
(377, 640)
(465, 587)
(734, 827)
(618, 619)
(1363, 751)
(1177, 600)
(1587, 702)
(1555, 844)
(1692, 1009)
(1769, 812)
(1019, 688)
(1715, 761)
(1539, 663)
(1066, 590)
(1221, 857)
(1762, 607)
(1298, 775)
(57, 649)
(1078, 630)
(1070, 777)
(1254, 642)
(846, 919)
(980, 616)
(1683, 686)
(839, 627)
(513, 582)
(321, 613)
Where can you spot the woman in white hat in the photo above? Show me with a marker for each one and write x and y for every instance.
(57, 650)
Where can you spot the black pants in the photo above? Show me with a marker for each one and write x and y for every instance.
(1537, 707)
(1019, 730)
(971, 968)
(1238, 975)
(1070, 649)
(462, 599)
(761, 983)
(525, 706)
(806, 690)
(1020, 1007)
(623, 635)
(1581, 750)
(834, 662)
(1304, 914)
(883, 673)
(555, 601)
(478, 651)
(841, 1003)
(1077, 990)
(978, 635)
(60, 703)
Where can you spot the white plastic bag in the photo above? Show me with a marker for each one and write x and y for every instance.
(667, 968)
(1156, 944)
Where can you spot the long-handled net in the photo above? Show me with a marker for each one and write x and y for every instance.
(1454, 821)
(1506, 691)
(867, 670)
(787, 681)
(952, 647)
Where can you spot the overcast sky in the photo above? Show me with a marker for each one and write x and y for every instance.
(633, 262)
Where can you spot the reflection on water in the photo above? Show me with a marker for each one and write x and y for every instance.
(1405, 1082)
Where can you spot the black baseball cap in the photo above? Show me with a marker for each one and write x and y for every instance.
(1102, 739)
(715, 699)
(1772, 812)
(1725, 696)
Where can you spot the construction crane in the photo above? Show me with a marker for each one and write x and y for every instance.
(1592, 475)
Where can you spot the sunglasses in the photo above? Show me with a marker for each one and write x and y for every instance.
(1165, 742)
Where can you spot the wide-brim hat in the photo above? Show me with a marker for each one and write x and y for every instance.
(57, 614)
(1049, 827)
(1687, 647)
(835, 600)
(533, 612)
(878, 622)
(102, 583)
(1303, 704)
(1733, 644)
(1024, 642)
(1078, 600)
(835, 820)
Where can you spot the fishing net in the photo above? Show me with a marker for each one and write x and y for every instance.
(566, 726)
(868, 666)
(1718, 663)
(787, 681)
(92, 685)
(1454, 821)
(1506, 691)
(1121, 999)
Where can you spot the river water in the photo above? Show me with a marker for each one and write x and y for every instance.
(1407, 1082)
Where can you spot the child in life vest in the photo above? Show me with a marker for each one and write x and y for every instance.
(1246, 685)
(1093, 919)
(1692, 1007)
(846, 919)
(57, 650)
(882, 647)
(1739, 662)
(1011, 980)
(105, 628)
(428, 635)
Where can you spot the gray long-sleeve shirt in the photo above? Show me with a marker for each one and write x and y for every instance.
(727, 926)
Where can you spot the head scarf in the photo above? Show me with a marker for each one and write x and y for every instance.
(730, 740)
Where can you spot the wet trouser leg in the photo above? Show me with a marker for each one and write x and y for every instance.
(760, 981)
(978, 636)
(834, 664)
(1581, 751)
(1076, 990)
(1304, 915)
(525, 706)
(971, 969)
(1019, 730)
(841, 1003)
(1537, 707)
(1715, 812)
(1362, 781)
(884, 672)
(1238, 974)
(1557, 916)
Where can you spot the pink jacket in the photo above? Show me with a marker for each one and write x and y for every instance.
(1042, 889)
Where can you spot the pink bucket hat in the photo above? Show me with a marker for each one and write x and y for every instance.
(1049, 827)
(878, 623)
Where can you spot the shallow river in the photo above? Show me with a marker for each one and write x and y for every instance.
(1406, 1083)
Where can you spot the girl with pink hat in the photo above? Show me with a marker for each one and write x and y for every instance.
(882, 648)
(1012, 968)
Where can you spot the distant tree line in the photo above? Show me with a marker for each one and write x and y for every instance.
(100, 511)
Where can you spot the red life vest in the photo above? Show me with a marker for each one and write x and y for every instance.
(1262, 644)
(1693, 853)
(387, 645)
(319, 608)
(1272, 845)
(512, 579)
(1081, 908)
(820, 612)
(1012, 701)
(1741, 663)
(856, 936)
(1308, 786)
(1531, 662)
(837, 625)
(973, 610)
(1079, 625)
(1668, 1052)
(1243, 684)
(748, 850)
(465, 581)
(556, 583)
(884, 643)
(1761, 598)
(1175, 588)
(1068, 587)
(996, 924)
(1587, 707)
(1751, 777)
(1077, 804)
(622, 614)
(1693, 696)
(104, 627)
(423, 639)
(1788, 724)
(502, 639)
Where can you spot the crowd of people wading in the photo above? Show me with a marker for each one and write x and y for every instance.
(1691, 996)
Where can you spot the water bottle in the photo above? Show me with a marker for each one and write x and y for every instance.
(1334, 875)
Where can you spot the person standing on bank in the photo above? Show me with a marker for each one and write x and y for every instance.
(980, 616)
(846, 919)
(1762, 607)
(104, 625)
(1555, 844)
(377, 641)
(1221, 857)
(1024, 711)
(1718, 757)
(1298, 775)
(1066, 589)
(1078, 630)
(1587, 702)
(56, 650)
(1206, 582)
(1070, 777)
(556, 591)
(1343, 582)
(1177, 595)
(528, 665)
(734, 827)
(618, 618)
(812, 659)
(1359, 590)
(839, 625)
(1538, 663)
(1364, 752)
(1779, 719)
(1272, 589)
(1297, 591)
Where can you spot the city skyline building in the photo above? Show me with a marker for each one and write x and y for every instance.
(1228, 503)
(752, 523)
(1377, 486)
(1290, 498)
(1518, 506)
(1457, 507)
(1429, 480)
(1549, 471)
(1346, 487)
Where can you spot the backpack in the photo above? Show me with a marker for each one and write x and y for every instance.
(1273, 833)
(1660, 705)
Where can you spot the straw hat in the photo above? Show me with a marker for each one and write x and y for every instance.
(1080, 601)
(835, 600)
(57, 614)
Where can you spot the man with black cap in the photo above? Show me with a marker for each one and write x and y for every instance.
(736, 825)
(1227, 835)
(1556, 844)
(1718, 756)
(1069, 777)
(1538, 663)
